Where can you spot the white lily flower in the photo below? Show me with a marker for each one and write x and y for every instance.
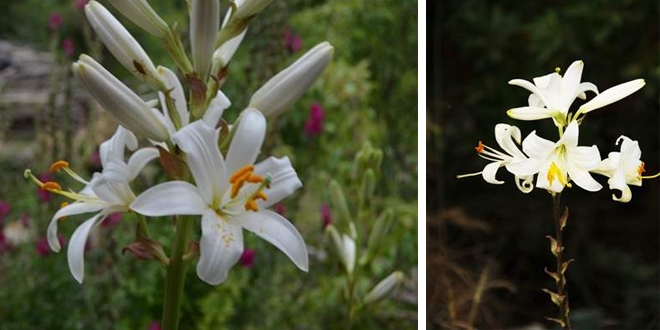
(141, 13)
(204, 26)
(230, 194)
(623, 168)
(107, 193)
(559, 162)
(249, 8)
(121, 44)
(507, 138)
(124, 105)
(290, 84)
(216, 108)
(552, 95)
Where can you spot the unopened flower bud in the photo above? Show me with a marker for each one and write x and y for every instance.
(124, 105)
(384, 288)
(141, 13)
(285, 88)
(204, 26)
(122, 45)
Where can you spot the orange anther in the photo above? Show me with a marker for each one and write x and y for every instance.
(236, 187)
(253, 178)
(51, 186)
(58, 165)
(480, 147)
(64, 204)
(261, 195)
(240, 173)
(251, 205)
(640, 170)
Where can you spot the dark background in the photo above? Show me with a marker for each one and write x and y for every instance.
(496, 233)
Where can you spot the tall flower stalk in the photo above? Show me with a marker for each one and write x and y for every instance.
(562, 164)
(215, 182)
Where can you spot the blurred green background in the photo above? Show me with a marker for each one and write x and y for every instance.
(367, 94)
(496, 233)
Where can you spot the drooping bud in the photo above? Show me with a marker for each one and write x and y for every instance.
(285, 88)
(339, 202)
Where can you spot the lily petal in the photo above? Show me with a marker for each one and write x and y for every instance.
(76, 250)
(582, 178)
(570, 83)
(490, 171)
(537, 147)
(278, 231)
(284, 180)
(71, 209)
(215, 110)
(172, 83)
(200, 142)
(247, 140)
(612, 95)
(618, 182)
(531, 113)
(139, 160)
(221, 246)
(530, 87)
(170, 198)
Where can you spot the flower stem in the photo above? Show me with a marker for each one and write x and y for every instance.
(176, 275)
(561, 282)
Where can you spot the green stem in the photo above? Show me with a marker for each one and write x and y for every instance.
(176, 275)
(142, 226)
(561, 284)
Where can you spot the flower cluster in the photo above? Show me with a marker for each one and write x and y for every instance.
(559, 164)
(212, 164)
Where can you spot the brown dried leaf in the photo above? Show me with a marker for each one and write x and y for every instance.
(173, 165)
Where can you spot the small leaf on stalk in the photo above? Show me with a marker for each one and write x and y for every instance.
(563, 220)
(552, 274)
(558, 321)
(556, 298)
(193, 251)
(146, 248)
(554, 246)
(564, 266)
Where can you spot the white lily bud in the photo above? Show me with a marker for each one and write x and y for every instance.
(141, 13)
(224, 53)
(288, 86)
(124, 105)
(122, 45)
(384, 288)
(348, 253)
(249, 8)
(205, 23)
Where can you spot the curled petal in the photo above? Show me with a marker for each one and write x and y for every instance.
(618, 182)
(139, 160)
(215, 110)
(278, 231)
(490, 171)
(71, 209)
(76, 250)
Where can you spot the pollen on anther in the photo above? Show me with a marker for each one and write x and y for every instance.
(240, 173)
(251, 205)
(480, 147)
(261, 195)
(58, 165)
(640, 170)
(254, 179)
(51, 185)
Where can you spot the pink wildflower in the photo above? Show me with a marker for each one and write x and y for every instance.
(54, 21)
(314, 124)
(326, 216)
(67, 46)
(247, 258)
